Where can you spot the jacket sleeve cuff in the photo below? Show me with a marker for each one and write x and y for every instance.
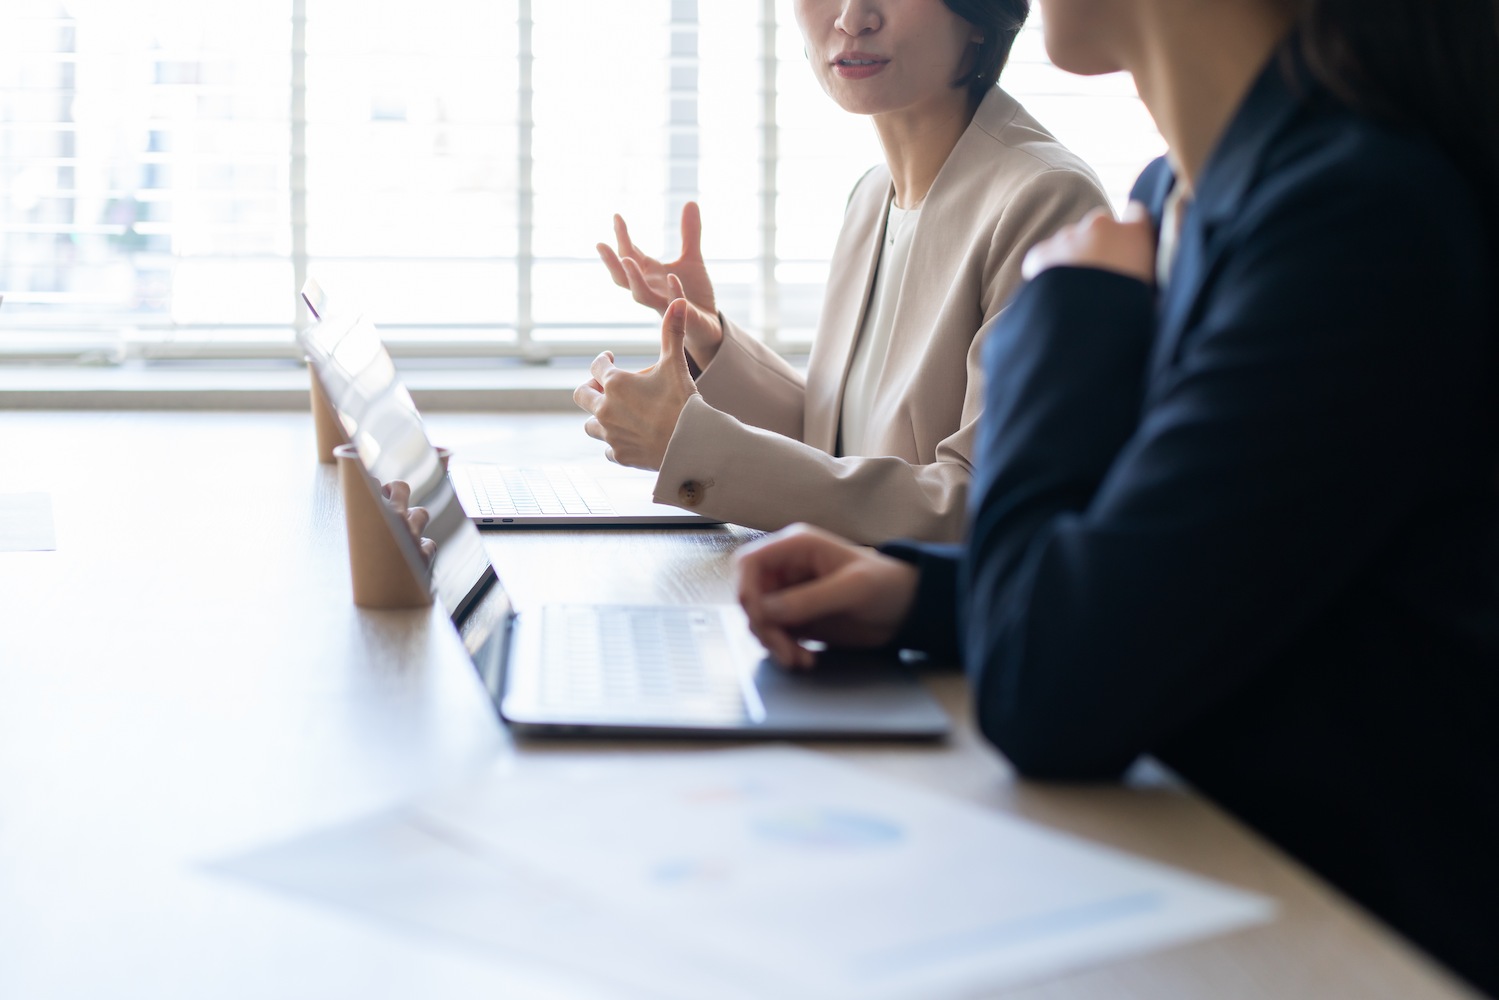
(931, 626)
(753, 384)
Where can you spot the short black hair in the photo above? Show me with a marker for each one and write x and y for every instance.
(999, 21)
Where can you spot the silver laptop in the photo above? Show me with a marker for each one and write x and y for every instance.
(505, 496)
(586, 668)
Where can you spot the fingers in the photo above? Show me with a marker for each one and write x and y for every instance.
(1037, 259)
(1095, 217)
(627, 267)
(398, 493)
(602, 368)
(616, 269)
(588, 396)
(695, 319)
(594, 429)
(417, 519)
(766, 566)
(1098, 241)
(803, 603)
(773, 567)
(771, 563)
(692, 232)
(782, 646)
(638, 411)
(640, 285)
(622, 237)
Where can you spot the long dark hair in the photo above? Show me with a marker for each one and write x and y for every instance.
(1431, 66)
(999, 21)
(1428, 65)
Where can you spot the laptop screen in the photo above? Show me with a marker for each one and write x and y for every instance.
(382, 422)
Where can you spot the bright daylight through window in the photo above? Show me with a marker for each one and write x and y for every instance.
(171, 169)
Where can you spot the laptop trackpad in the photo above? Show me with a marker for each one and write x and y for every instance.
(848, 694)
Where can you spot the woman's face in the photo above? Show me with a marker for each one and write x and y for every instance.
(879, 56)
(1081, 35)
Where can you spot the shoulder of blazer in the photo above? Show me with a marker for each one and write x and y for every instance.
(877, 176)
(1308, 186)
(1005, 166)
(1003, 152)
(1321, 160)
(1002, 128)
(1373, 164)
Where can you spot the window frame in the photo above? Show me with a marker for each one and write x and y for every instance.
(122, 337)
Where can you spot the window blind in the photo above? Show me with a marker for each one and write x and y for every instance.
(172, 169)
(144, 161)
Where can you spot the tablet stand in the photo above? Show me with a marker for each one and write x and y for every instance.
(384, 574)
(330, 430)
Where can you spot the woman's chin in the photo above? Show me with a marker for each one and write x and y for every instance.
(1080, 61)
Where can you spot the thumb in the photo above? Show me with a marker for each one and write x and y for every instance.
(674, 329)
(674, 333)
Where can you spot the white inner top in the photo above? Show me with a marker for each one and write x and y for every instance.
(860, 392)
(1171, 227)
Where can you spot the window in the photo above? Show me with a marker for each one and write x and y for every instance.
(171, 169)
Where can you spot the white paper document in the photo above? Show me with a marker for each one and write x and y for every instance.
(26, 522)
(762, 872)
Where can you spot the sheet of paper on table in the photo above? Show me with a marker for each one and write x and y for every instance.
(26, 523)
(758, 872)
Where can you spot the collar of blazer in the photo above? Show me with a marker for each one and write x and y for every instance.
(1236, 164)
(851, 278)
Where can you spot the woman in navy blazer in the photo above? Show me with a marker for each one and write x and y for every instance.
(1236, 502)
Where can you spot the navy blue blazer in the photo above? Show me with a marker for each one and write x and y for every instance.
(1250, 525)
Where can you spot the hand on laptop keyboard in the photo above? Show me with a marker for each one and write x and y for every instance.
(804, 583)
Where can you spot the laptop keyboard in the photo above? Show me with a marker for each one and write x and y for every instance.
(640, 664)
(505, 491)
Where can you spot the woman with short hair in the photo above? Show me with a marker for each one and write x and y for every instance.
(877, 439)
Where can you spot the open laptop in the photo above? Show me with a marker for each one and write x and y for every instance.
(506, 496)
(587, 668)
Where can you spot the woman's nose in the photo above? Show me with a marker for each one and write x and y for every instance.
(857, 17)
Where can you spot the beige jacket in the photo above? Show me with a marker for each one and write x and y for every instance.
(757, 446)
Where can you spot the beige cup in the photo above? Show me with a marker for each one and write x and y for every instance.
(382, 571)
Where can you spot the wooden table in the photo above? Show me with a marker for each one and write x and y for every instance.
(186, 678)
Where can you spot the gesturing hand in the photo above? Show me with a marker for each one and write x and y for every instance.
(646, 278)
(634, 413)
(804, 583)
(1125, 247)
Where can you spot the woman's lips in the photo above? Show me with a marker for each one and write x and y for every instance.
(858, 65)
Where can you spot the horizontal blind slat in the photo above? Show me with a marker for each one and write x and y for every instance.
(173, 177)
